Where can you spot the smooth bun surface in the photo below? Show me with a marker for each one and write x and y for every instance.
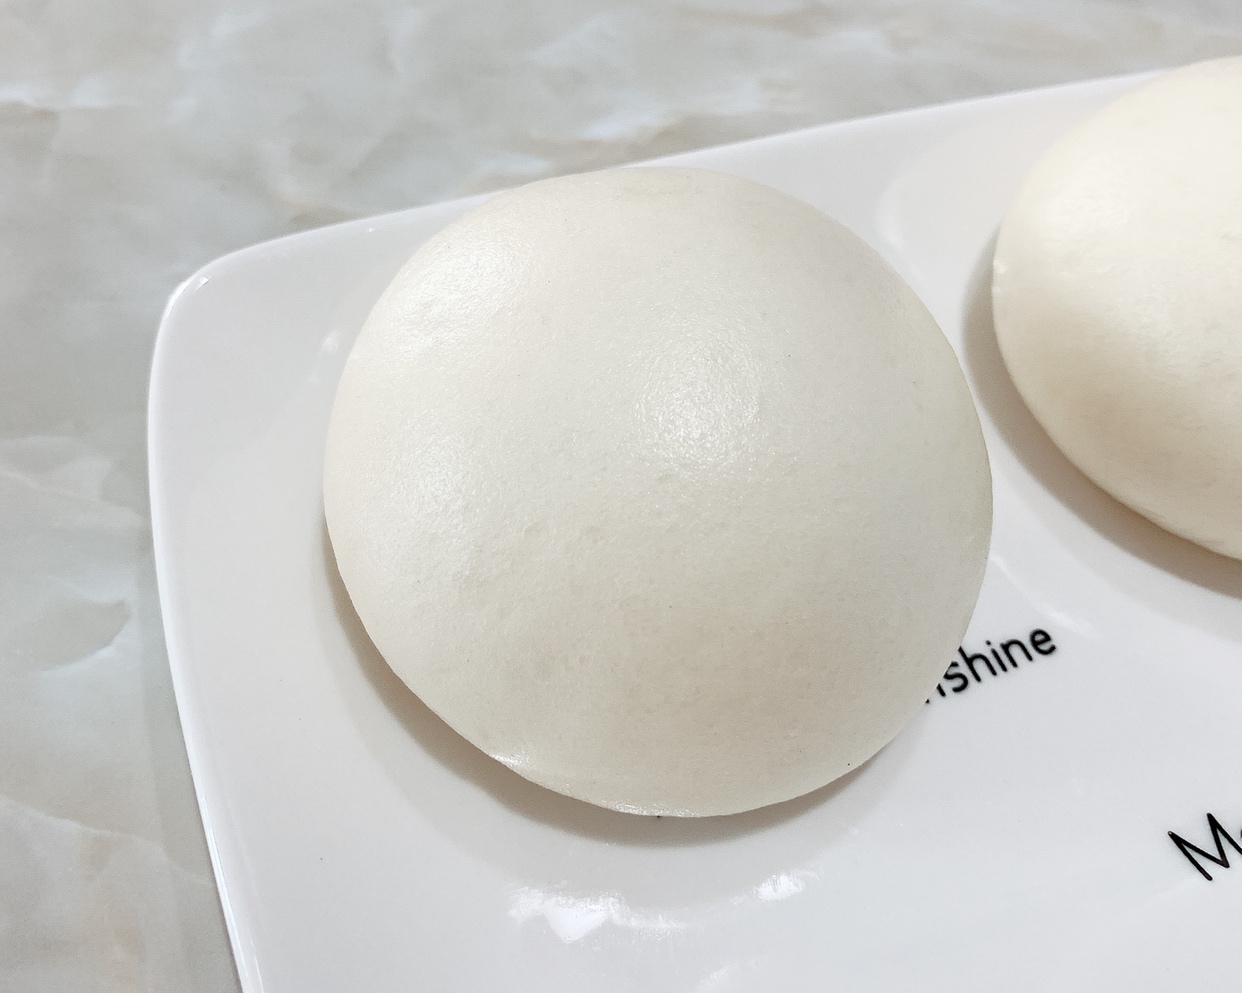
(659, 487)
(1117, 295)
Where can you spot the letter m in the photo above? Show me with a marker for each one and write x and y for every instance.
(1219, 837)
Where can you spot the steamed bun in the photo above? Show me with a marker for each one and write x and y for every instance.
(661, 488)
(1117, 294)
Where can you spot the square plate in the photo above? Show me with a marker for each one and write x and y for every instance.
(1015, 836)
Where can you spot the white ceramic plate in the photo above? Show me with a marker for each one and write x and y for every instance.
(1014, 837)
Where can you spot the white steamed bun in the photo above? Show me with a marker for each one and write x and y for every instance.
(659, 487)
(1117, 294)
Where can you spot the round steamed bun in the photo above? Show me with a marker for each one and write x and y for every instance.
(659, 487)
(1118, 300)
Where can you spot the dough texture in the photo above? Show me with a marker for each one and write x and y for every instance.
(661, 488)
(1117, 294)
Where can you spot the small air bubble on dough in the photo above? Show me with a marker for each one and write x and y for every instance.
(661, 488)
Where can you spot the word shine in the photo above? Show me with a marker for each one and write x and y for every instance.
(995, 660)
(1219, 837)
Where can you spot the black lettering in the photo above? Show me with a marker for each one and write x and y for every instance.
(1219, 836)
(1007, 645)
(997, 657)
(970, 663)
(1040, 638)
(953, 673)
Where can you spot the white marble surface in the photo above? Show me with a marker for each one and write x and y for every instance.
(140, 139)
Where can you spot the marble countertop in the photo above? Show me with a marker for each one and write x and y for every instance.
(140, 140)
